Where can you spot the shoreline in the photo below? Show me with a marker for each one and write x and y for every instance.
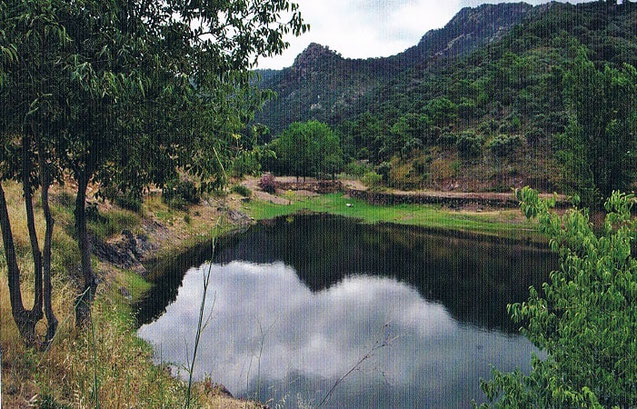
(158, 233)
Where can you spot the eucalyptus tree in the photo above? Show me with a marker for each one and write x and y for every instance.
(158, 86)
(32, 42)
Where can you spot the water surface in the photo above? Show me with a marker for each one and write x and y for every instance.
(298, 301)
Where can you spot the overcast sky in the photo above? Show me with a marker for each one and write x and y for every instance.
(371, 28)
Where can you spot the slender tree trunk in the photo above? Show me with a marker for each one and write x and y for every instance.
(23, 318)
(45, 182)
(86, 297)
(36, 312)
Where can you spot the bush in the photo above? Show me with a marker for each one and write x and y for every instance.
(469, 145)
(241, 190)
(383, 169)
(179, 193)
(372, 179)
(504, 145)
(441, 170)
(358, 169)
(267, 183)
(535, 135)
(129, 202)
(448, 139)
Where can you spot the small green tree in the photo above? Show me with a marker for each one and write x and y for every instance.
(599, 147)
(585, 318)
(308, 149)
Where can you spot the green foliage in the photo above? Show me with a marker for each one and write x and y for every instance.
(584, 318)
(372, 180)
(441, 111)
(599, 147)
(113, 222)
(308, 149)
(179, 193)
(356, 168)
(512, 83)
(241, 190)
(504, 145)
(469, 145)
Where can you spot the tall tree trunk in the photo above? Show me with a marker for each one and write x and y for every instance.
(23, 318)
(33, 237)
(86, 297)
(45, 182)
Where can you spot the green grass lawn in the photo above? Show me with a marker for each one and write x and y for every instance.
(504, 223)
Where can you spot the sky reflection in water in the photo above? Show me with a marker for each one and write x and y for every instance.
(311, 337)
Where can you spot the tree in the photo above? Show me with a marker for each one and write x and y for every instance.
(599, 147)
(584, 318)
(32, 40)
(309, 148)
(144, 88)
(184, 61)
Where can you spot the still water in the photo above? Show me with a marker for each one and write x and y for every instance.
(298, 301)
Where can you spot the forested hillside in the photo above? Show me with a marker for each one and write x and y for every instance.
(477, 105)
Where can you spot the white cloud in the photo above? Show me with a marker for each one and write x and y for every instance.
(371, 28)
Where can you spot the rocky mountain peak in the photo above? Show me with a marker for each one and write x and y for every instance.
(314, 53)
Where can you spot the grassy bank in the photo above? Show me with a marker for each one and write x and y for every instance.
(507, 223)
(107, 366)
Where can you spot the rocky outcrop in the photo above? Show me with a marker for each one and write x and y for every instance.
(126, 251)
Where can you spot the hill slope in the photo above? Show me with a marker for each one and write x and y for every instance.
(474, 106)
(323, 85)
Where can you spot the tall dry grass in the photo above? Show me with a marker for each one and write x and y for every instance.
(108, 367)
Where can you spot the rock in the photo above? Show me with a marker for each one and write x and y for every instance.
(126, 252)
(238, 217)
(125, 293)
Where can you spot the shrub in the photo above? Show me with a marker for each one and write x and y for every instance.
(404, 176)
(356, 168)
(533, 136)
(241, 190)
(267, 183)
(383, 169)
(504, 145)
(488, 127)
(179, 193)
(448, 139)
(441, 170)
(469, 145)
(129, 202)
(372, 179)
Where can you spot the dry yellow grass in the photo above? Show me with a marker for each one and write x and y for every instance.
(108, 365)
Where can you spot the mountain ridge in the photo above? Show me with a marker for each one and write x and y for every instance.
(321, 84)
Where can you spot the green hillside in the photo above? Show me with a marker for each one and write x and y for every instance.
(476, 105)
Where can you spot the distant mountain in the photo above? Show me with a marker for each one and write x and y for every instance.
(323, 85)
(475, 105)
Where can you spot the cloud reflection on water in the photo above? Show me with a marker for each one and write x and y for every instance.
(314, 338)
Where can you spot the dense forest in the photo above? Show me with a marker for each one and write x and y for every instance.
(481, 104)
